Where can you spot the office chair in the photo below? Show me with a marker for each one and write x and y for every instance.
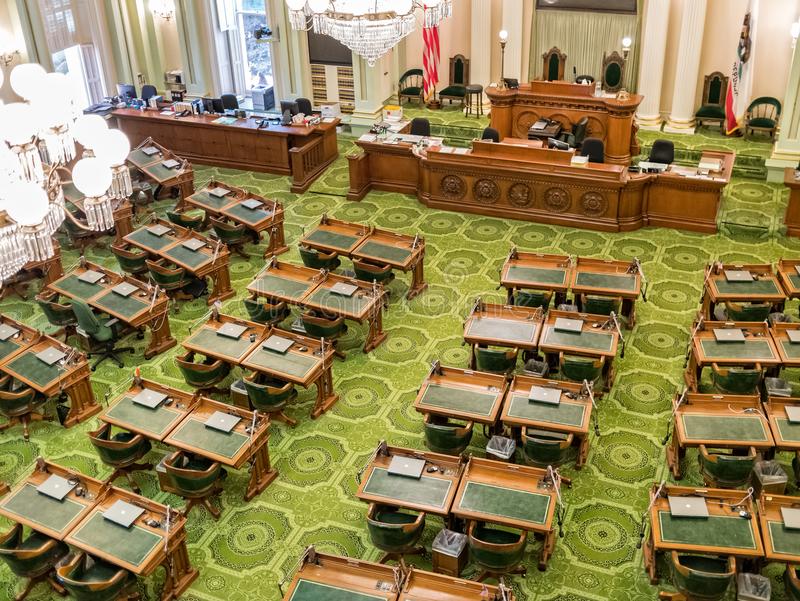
(22, 406)
(229, 102)
(90, 579)
(121, 451)
(148, 92)
(420, 127)
(33, 558)
(57, 314)
(270, 397)
(496, 552)
(490, 134)
(663, 151)
(395, 532)
(304, 106)
(594, 149)
(196, 479)
(104, 335)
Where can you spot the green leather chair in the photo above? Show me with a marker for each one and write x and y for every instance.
(322, 327)
(203, 376)
(271, 397)
(410, 86)
(196, 479)
(33, 558)
(395, 532)
(495, 361)
(445, 436)
(94, 580)
(233, 235)
(577, 368)
(725, 470)
(533, 298)
(102, 336)
(763, 115)
(542, 447)
(600, 305)
(712, 109)
(746, 311)
(702, 578)
(122, 451)
(131, 260)
(792, 582)
(496, 552)
(58, 315)
(367, 272)
(736, 380)
(316, 259)
(21, 407)
(191, 221)
(266, 312)
(459, 78)
(78, 237)
(171, 279)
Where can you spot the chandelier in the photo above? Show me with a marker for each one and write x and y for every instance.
(38, 153)
(370, 28)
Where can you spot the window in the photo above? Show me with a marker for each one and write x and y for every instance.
(81, 66)
(256, 55)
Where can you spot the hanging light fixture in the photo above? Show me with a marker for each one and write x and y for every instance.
(92, 177)
(370, 28)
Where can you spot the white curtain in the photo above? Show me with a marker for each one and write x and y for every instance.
(66, 23)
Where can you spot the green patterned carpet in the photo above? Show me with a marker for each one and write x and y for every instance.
(255, 545)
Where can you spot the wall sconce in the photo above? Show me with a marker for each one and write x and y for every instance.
(503, 35)
(7, 51)
(626, 47)
(164, 9)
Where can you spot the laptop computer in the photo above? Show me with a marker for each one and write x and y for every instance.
(278, 344)
(224, 422)
(409, 467)
(90, 276)
(563, 324)
(50, 355)
(738, 275)
(55, 487)
(252, 204)
(170, 163)
(793, 413)
(343, 289)
(7, 331)
(791, 517)
(232, 330)
(793, 335)
(540, 394)
(123, 513)
(124, 289)
(219, 192)
(688, 507)
(193, 244)
(158, 229)
(149, 398)
(728, 335)
(150, 150)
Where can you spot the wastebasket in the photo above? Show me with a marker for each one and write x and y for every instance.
(568, 307)
(501, 448)
(534, 367)
(780, 318)
(777, 387)
(753, 587)
(449, 552)
(769, 477)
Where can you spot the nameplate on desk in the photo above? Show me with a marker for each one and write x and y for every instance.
(578, 160)
(252, 204)
(123, 513)
(150, 150)
(50, 355)
(278, 344)
(343, 289)
(158, 230)
(649, 167)
(791, 517)
(90, 276)
(710, 164)
(728, 335)
(232, 330)
(124, 289)
(793, 335)
(409, 467)
(194, 244)
(548, 396)
(149, 398)
(219, 192)
(55, 487)
(738, 275)
(792, 413)
(688, 507)
(562, 324)
(224, 422)
(368, 138)
(539, 125)
(170, 163)
(7, 331)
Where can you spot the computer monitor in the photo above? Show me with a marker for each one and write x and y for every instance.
(208, 105)
(126, 91)
(557, 144)
(291, 106)
(217, 106)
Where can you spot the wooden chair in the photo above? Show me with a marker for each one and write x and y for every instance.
(90, 579)
(171, 279)
(122, 451)
(33, 558)
(410, 86)
(203, 376)
(791, 581)
(445, 436)
(745, 311)
(22, 407)
(459, 79)
(131, 260)
(367, 272)
(533, 298)
(497, 552)
(189, 221)
(736, 380)
(316, 259)
(576, 368)
(699, 577)
(266, 312)
(496, 361)
(763, 115)
(58, 315)
(723, 469)
(712, 108)
(196, 479)
(271, 397)
(323, 327)
(395, 532)
(600, 305)
(233, 235)
(613, 72)
(553, 63)
(541, 448)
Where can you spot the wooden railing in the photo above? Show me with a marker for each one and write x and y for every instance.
(308, 161)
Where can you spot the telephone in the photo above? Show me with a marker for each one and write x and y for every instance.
(263, 124)
(183, 113)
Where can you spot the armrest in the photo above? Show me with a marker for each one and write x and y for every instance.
(112, 322)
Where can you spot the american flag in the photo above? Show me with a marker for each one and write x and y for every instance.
(430, 61)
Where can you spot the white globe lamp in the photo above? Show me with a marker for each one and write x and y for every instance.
(27, 79)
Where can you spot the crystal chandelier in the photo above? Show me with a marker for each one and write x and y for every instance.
(370, 28)
(37, 150)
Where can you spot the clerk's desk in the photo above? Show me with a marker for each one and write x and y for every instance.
(517, 179)
(302, 152)
(610, 119)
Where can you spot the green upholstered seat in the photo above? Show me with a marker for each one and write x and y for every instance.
(445, 436)
(191, 221)
(792, 581)
(600, 305)
(711, 111)
(735, 380)
(394, 531)
(456, 88)
(453, 92)
(553, 64)
(78, 237)
(121, 451)
(102, 335)
(58, 315)
(271, 397)
(726, 470)
(763, 115)
(496, 551)
(205, 375)
(130, 259)
(368, 272)
(265, 311)
(533, 298)
(747, 311)
(90, 324)
(94, 580)
(576, 368)
(319, 260)
(495, 361)
(410, 85)
(233, 235)
(762, 122)
(542, 448)
(32, 558)
(700, 577)
(195, 479)
(322, 327)
(21, 407)
(169, 278)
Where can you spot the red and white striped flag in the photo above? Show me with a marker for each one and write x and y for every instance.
(740, 83)
(430, 62)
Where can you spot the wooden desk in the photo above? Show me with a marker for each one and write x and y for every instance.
(724, 532)
(571, 415)
(432, 493)
(211, 260)
(303, 152)
(70, 376)
(373, 245)
(781, 544)
(789, 276)
(462, 394)
(516, 496)
(608, 278)
(207, 340)
(19, 341)
(428, 586)
(502, 325)
(724, 421)
(266, 218)
(792, 217)
(534, 271)
(611, 120)
(765, 287)
(789, 351)
(785, 433)
(149, 164)
(758, 348)
(137, 310)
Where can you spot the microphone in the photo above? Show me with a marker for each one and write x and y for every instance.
(575, 72)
